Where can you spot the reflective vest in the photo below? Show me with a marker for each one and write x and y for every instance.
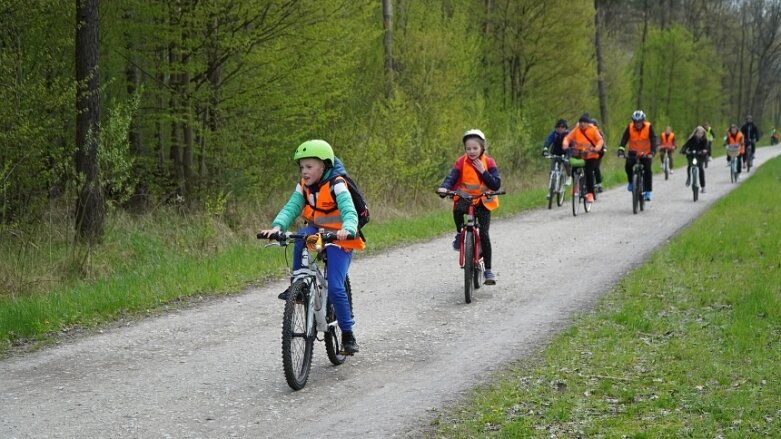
(325, 213)
(585, 140)
(471, 183)
(640, 140)
(736, 139)
(668, 140)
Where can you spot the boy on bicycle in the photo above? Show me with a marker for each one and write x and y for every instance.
(586, 142)
(667, 143)
(640, 137)
(474, 173)
(324, 200)
(552, 146)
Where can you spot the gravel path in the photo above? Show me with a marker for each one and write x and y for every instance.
(215, 370)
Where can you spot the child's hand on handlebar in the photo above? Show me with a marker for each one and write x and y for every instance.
(342, 234)
(269, 232)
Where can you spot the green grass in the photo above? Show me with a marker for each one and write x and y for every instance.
(688, 345)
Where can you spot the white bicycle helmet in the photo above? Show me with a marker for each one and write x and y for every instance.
(638, 116)
(474, 133)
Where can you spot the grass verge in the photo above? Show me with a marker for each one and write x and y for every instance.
(688, 345)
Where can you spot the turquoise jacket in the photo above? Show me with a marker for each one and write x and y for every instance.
(295, 205)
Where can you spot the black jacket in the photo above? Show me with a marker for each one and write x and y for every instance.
(694, 145)
(750, 131)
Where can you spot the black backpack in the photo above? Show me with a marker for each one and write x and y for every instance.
(358, 200)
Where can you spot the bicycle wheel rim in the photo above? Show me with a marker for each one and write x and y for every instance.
(296, 344)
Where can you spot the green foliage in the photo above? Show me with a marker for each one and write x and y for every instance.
(681, 82)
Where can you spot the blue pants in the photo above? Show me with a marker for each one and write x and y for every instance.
(338, 265)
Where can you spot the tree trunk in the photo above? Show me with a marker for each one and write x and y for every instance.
(387, 18)
(642, 56)
(598, 29)
(90, 206)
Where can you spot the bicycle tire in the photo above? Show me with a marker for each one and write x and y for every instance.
(469, 266)
(666, 166)
(560, 192)
(695, 183)
(733, 172)
(551, 188)
(636, 193)
(749, 162)
(576, 193)
(333, 337)
(584, 190)
(296, 344)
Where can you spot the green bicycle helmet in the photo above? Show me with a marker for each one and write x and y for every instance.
(315, 148)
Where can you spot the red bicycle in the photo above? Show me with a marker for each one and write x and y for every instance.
(470, 256)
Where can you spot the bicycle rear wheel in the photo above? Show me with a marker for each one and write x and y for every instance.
(560, 190)
(469, 266)
(296, 343)
(749, 161)
(333, 337)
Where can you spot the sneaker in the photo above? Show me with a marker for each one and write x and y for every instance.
(672, 171)
(598, 188)
(457, 242)
(702, 190)
(629, 187)
(647, 195)
(568, 181)
(349, 345)
(490, 277)
(547, 196)
(589, 197)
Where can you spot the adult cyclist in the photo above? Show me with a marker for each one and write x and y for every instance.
(750, 134)
(641, 139)
(667, 143)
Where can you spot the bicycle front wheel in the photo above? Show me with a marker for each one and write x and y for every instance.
(576, 194)
(666, 166)
(552, 184)
(469, 266)
(695, 183)
(296, 343)
(333, 337)
(637, 193)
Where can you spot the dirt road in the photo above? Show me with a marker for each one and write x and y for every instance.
(215, 370)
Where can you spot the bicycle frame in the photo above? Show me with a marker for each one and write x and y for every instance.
(470, 224)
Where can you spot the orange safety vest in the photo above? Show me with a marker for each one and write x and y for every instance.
(668, 141)
(585, 140)
(737, 139)
(640, 140)
(326, 214)
(471, 183)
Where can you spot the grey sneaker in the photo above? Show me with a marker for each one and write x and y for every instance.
(490, 277)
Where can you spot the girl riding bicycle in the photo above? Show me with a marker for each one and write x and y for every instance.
(324, 200)
(696, 145)
(474, 172)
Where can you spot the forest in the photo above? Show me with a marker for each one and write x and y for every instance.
(133, 106)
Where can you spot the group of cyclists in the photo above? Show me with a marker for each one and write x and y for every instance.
(639, 143)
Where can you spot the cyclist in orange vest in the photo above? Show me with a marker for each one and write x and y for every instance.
(640, 137)
(735, 137)
(324, 202)
(586, 142)
(667, 142)
(474, 173)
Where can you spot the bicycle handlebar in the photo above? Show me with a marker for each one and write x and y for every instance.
(469, 197)
(284, 237)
